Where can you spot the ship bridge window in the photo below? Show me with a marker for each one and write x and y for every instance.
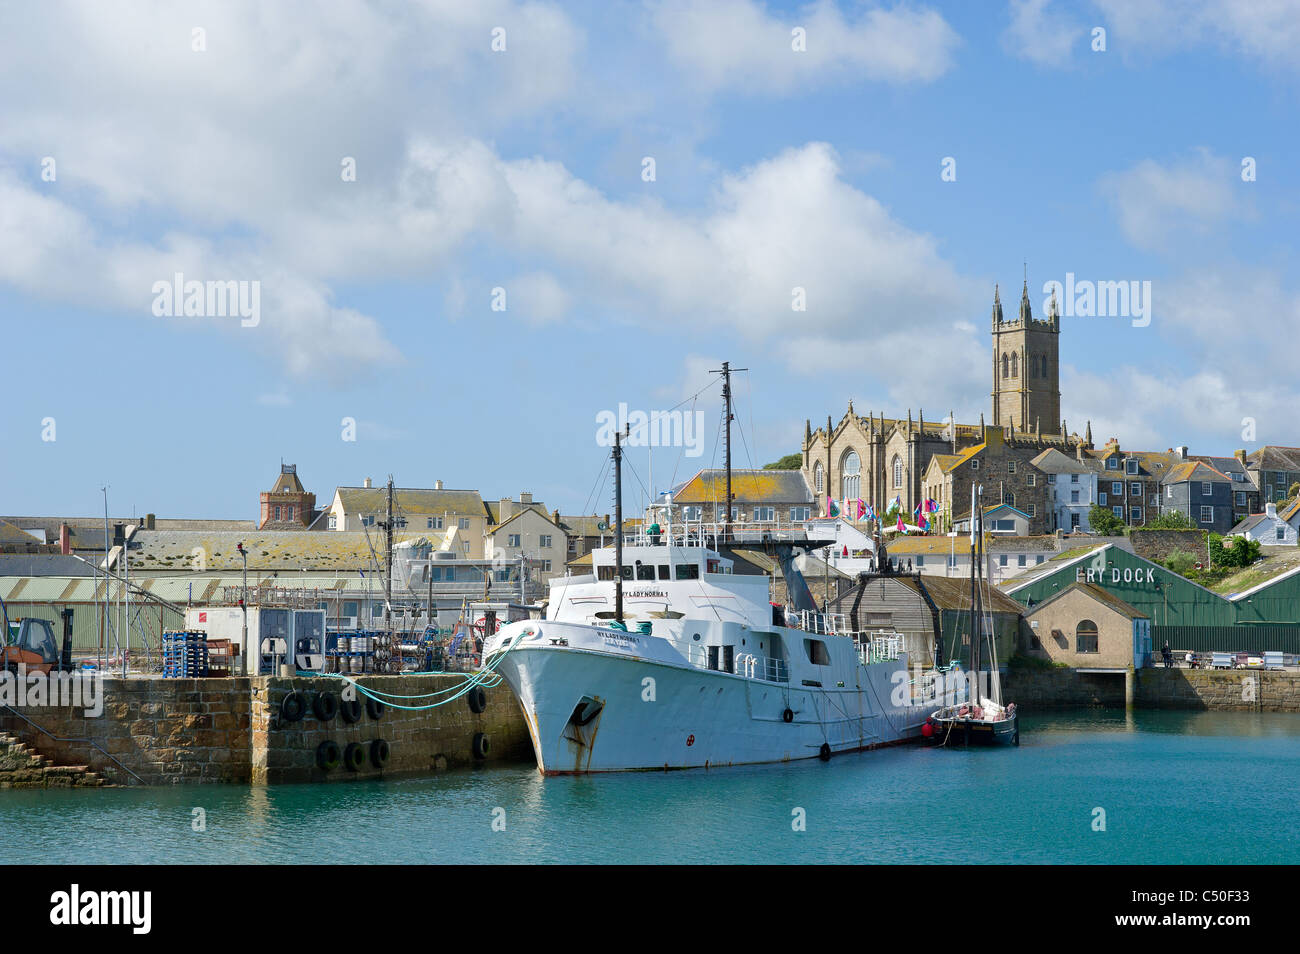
(664, 572)
(626, 572)
(817, 654)
(645, 571)
(604, 573)
(688, 571)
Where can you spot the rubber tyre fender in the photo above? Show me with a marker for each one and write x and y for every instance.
(328, 755)
(350, 709)
(480, 745)
(375, 708)
(824, 753)
(787, 716)
(293, 707)
(477, 699)
(354, 756)
(325, 706)
(379, 752)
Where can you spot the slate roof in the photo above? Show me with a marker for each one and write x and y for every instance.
(366, 500)
(1194, 470)
(172, 551)
(1099, 594)
(1275, 457)
(1052, 461)
(950, 593)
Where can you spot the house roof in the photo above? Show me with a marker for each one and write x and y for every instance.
(1290, 511)
(287, 482)
(587, 526)
(963, 457)
(173, 551)
(9, 534)
(950, 593)
(1107, 599)
(412, 501)
(747, 486)
(1275, 457)
(515, 516)
(1249, 523)
(1194, 470)
(1052, 461)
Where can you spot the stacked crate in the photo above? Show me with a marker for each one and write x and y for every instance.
(185, 654)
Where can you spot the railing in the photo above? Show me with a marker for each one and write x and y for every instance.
(711, 534)
(748, 665)
(879, 646)
(825, 624)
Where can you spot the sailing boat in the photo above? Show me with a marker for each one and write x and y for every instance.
(980, 720)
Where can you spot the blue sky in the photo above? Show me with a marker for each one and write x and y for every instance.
(522, 169)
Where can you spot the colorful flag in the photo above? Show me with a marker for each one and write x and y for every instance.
(901, 526)
(862, 509)
(831, 509)
(922, 522)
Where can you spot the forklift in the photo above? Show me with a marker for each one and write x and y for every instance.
(30, 643)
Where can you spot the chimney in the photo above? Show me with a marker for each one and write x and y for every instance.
(437, 485)
(65, 540)
(1241, 456)
(1182, 451)
(1270, 509)
(149, 521)
(525, 498)
(366, 483)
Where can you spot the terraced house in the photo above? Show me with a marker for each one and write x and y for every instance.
(1245, 495)
(1003, 464)
(1128, 482)
(1202, 493)
(1273, 469)
(454, 519)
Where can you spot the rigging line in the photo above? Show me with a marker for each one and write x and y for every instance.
(682, 452)
(600, 482)
(650, 418)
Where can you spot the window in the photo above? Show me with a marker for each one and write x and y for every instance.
(851, 480)
(1040, 557)
(1281, 533)
(1101, 499)
(800, 514)
(1117, 488)
(463, 523)
(1004, 364)
(817, 654)
(1206, 488)
(1135, 514)
(1169, 491)
(1074, 524)
(920, 559)
(1112, 463)
(1135, 490)
(277, 511)
(1031, 510)
(334, 521)
(1118, 511)
(1033, 480)
(545, 541)
(688, 571)
(975, 465)
(449, 574)
(1074, 496)
(1281, 480)
(1085, 636)
(435, 523)
(368, 520)
(290, 511)
(735, 514)
(694, 513)
(1074, 478)
(1015, 359)
(1130, 466)
(819, 477)
(645, 571)
(1011, 467)
(898, 471)
(1051, 478)
(665, 571)
(546, 566)
(1009, 499)
(1022, 560)
(513, 540)
(766, 514)
(1207, 515)
(1002, 559)
(1241, 498)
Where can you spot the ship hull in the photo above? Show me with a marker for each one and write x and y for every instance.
(976, 732)
(591, 708)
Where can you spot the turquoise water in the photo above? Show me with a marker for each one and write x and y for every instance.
(1175, 787)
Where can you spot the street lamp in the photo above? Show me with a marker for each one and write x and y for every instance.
(243, 605)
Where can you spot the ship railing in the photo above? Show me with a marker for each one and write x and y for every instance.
(825, 624)
(878, 646)
(710, 535)
(749, 665)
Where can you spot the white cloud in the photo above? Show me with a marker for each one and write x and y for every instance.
(538, 298)
(1041, 33)
(738, 44)
(1158, 203)
(1264, 30)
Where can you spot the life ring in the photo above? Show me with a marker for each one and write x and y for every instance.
(787, 715)
(374, 708)
(354, 756)
(350, 709)
(379, 750)
(477, 699)
(328, 755)
(480, 745)
(325, 705)
(824, 753)
(293, 706)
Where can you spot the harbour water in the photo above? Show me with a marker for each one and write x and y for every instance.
(1175, 787)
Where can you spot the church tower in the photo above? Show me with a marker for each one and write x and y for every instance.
(1026, 367)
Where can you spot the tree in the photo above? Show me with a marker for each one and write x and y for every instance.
(1103, 521)
(1170, 520)
(788, 462)
(1293, 491)
(1240, 552)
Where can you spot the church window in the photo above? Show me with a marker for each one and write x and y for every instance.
(851, 469)
(1033, 365)
(1014, 359)
(898, 471)
(1044, 365)
(819, 478)
(1004, 364)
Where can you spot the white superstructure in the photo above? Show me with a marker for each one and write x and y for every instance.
(703, 671)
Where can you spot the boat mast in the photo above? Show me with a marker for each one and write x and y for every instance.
(618, 525)
(388, 580)
(725, 371)
(974, 594)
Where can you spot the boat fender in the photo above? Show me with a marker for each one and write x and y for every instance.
(328, 755)
(354, 756)
(374, 708)
(787, 715)
(824, 753)
(480, 745)
(477, 699)
(293, 706)
(379, 753)
(350, 709)
(325, 705)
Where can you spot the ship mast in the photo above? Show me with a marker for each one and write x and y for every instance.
(975, 533)
(618, 525)
(725, 371)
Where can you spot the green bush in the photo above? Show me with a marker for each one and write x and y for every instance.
(1102, 520)
(1181, 562)
(788, 462)
(1170, 520)
(1240, 552)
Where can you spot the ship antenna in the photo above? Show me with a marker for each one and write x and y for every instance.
(618, 524)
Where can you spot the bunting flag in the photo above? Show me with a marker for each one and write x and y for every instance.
(895, 504)
(831, 509)
(931, 505)
(922, 522)
(862, 509)
(901, 526)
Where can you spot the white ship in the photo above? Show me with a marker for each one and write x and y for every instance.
(664, 658)
(699, 675)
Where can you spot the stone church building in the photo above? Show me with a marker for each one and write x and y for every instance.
(877, 458)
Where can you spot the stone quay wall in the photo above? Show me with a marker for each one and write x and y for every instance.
(179, 731)
(1227, 690)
